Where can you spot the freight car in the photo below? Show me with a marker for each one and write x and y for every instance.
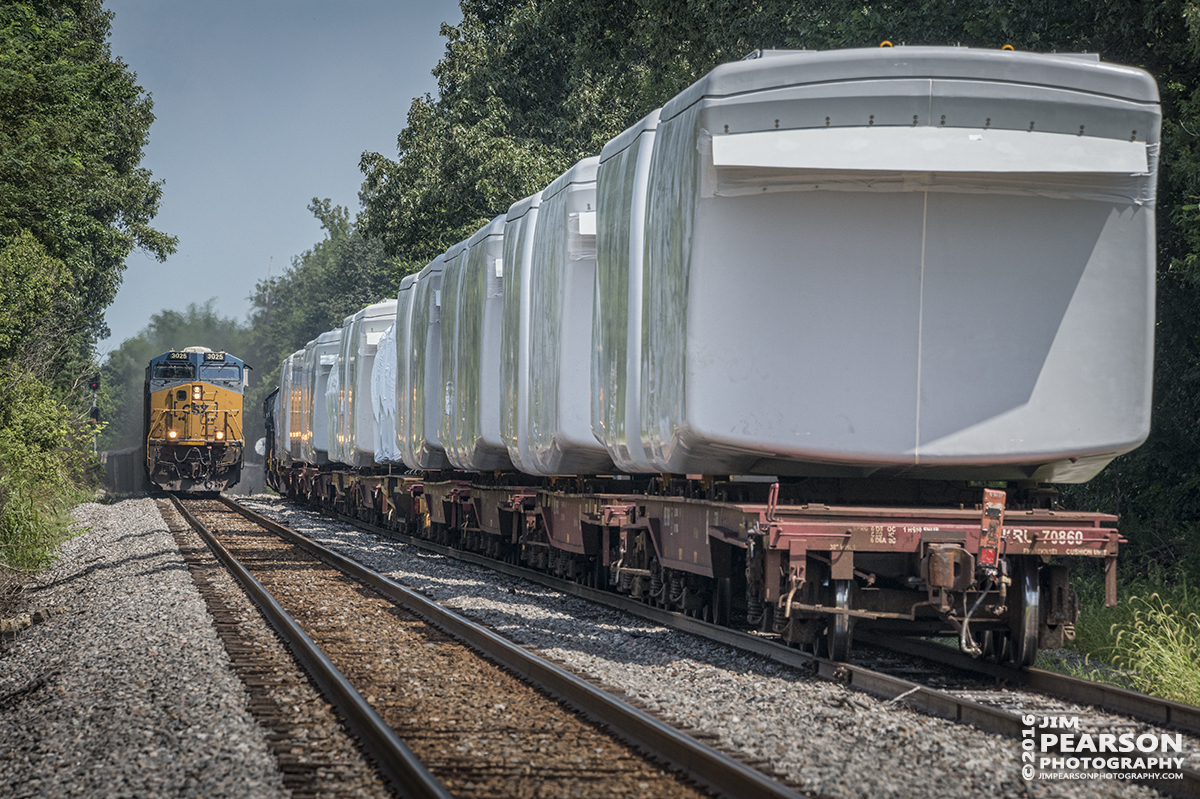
(193, 420)
(799, 351)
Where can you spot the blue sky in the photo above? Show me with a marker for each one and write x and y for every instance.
(260, 106)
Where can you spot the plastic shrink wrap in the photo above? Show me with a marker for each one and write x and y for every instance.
(383, 398)
(403, 401)
(472, 306)
(334, 399)
(359, 347)
(283, 416)
(519, 225)
(915, 261)
(562, 278)
(296, 405)
(423, 396)
(621, 186)
(320, 356)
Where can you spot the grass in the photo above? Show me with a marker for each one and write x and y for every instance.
(1150, 642)
(46, 467)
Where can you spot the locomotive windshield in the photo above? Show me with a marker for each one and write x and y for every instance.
(227, 372)
(174, 371)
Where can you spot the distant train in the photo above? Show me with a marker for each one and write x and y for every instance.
(798, 351)
(193, 420)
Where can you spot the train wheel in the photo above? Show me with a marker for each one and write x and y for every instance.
(1023, 606)
(840, 631)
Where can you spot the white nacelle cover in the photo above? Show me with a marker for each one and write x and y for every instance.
(333, 392)
(422, 400)
(403, 402)
(383, 398)
(930, 262)
(562, 282)
(517, 260)
(621, 187)
(283, 416)
(472, 306)
(321, 356)
(359, 346)
(289, 427)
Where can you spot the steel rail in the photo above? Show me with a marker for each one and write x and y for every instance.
(892, 689)
(1161, 712)
(702, 763)
(395, 761)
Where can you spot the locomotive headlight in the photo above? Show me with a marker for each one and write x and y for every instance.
(220, 435)
(172, 434)
(195, 392)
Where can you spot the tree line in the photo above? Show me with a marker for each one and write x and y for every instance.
(526, 88)
(74, 202)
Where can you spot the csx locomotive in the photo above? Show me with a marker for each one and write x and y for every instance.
(193, 420)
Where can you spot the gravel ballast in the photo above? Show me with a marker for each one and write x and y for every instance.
(128, 692)
(818, 735)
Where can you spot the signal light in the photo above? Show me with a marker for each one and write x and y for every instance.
(94, 382)
(94, 414)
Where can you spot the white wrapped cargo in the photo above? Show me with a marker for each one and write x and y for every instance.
(452, 268)
(296, 406)
(914, 261)
(307, 365)
(420, 360)
(519, 225)
(472, 306)
(403, 401)
(281, 421)
(560, 439)
(383, 398)
(356, 418)
(287, 414)
(333, 401)
(621, 185)
(320, 356)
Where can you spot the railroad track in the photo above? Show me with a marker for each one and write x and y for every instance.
(315, 755)
(976, 700)
(430, 711)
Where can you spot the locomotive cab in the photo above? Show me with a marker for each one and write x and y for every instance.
(193, 419)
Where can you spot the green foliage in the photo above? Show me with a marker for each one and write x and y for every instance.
(74, 202)
(72, 126)
(1152, 637)
(339, 276)
(124, 370)
(526, 87)
(44, 454)
(31, 282)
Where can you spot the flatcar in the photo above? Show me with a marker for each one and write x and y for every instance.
(803, 350)
(193, 420)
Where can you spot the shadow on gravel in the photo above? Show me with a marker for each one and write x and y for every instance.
(102, 567)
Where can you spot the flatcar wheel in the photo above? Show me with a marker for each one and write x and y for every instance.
(993, 644)
(840, 630)
(1023, 610)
